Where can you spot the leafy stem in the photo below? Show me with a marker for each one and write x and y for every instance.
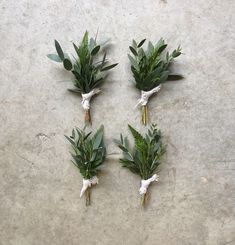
(145, 157)
(88, 74)
(150, 67)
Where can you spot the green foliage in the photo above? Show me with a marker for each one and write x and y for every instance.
(88, 73)
(146, 155)
(88, 151)
(149, 67)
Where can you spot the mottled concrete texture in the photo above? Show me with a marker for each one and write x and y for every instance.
(194, 203)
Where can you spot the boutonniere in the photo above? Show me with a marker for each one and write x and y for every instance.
(145, 158)
(88, 72)
(150, 69)
(88, 154)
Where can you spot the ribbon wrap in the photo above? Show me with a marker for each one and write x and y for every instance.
(145, 95)
(87, 97)
(88, 183)
(145, 183)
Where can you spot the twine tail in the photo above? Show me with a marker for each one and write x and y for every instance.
(88, 196)
(88, 117)
(145, 114)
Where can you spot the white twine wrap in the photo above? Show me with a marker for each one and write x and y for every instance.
(146, 94)
(88, 183)
(145, 183)
(87, 97)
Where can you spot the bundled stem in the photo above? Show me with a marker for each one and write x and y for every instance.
(143, 200)
(88, 196)
(88, 117)
(145, 114)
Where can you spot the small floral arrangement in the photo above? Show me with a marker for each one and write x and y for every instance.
(150, 69)
(145, 158)
(88, 154)
(88, 72)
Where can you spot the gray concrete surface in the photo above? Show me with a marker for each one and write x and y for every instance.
(194, 203)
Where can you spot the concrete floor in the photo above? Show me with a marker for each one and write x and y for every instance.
(194, 203)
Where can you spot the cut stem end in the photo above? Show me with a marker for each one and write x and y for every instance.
(145, 114)
(88, 196)
(143, 200)
(88, 117)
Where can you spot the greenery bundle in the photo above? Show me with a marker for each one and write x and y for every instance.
(144, 159)
(150, 69)
(89, 73)
(88, 154)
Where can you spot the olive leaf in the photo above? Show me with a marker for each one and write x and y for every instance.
(54, 57)
(85, 70)
(67, 64)
(88, 152)
(150, 67)
(59, 50)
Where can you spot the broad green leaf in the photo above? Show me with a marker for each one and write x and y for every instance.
(133, 62)
(54, 57)
(150, 47)
(59, 50)
(67, 64)
(92, 44)
(98, 137)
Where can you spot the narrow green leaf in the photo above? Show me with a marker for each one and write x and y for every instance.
(76, 48)
(162, 48)
(134, 44)
(85, 39)
(109, 67)
(123, 148)
(141, 43)
(133, 51)
(174, 77)
(69, 139)
(74, 90)
(95, 50)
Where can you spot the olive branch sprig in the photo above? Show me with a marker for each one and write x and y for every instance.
(88, 153)
(88, 72)
(151, 68)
